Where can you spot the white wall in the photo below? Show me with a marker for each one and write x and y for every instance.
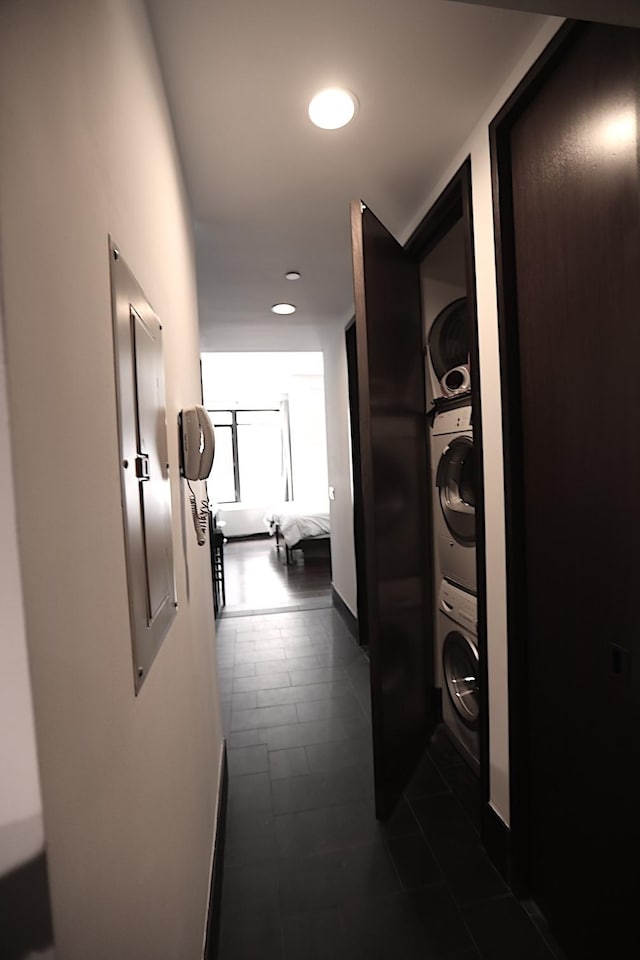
(20, 794)
(129, 785)
(343, 564)
(308, 439)
(21, 826)
(241, 521)
(477, 145)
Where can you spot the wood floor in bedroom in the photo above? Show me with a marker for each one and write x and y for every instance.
(257, 579)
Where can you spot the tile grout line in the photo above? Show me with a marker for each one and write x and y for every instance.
(445, 879)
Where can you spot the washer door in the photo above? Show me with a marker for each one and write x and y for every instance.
(460, 666)
(455, 479)
(449, 338)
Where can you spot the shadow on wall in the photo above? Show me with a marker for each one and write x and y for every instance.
(25, 915)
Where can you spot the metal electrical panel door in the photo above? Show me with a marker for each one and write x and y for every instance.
(144, 468)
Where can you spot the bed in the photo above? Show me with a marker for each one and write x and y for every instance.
(296, 525)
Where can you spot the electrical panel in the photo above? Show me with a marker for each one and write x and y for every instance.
(144, 466)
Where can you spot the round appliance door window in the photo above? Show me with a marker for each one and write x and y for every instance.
(449, 338)
(455, 480)
(460, 662)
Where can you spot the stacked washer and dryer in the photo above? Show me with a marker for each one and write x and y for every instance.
(453, 487)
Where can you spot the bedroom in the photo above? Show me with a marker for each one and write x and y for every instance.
(269, 483)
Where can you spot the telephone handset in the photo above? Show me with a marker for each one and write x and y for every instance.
(197, 446)
(198, 443)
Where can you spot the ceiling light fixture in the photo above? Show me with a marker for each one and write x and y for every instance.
(293, 275)
(333, 108)
(283, 308)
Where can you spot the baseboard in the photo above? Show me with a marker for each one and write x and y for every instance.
(217, 866)
(437, 705)
(496, 838)
(246, 536)
(344, 612)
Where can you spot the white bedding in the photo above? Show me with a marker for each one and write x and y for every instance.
(298, 521)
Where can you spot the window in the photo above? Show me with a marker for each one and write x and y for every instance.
(253, 457)
(223, 474)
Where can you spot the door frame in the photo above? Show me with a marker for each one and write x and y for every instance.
(518, 852)
(455, 203)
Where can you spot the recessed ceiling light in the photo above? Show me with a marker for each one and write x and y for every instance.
(332, 108)
(283, 308)
(293, 275)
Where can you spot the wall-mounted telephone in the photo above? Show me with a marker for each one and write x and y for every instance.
(197, 446)
(197, 443)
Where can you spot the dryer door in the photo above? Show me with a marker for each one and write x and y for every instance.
(460, 667)
(455, 481)
(449, 338)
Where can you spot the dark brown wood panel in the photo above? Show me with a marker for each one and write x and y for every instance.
(576, 225)
(393, 462)
(358, 511)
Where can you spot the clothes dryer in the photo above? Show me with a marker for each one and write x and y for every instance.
(448, 349)
(457, 669)
(452, 457)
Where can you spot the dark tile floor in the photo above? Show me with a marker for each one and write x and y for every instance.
(309, 873)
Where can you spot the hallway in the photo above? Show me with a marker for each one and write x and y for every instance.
(309, 873)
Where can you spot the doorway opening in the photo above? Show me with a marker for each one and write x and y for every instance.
(268, 486)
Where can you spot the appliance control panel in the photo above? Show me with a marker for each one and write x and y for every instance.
(452, 421)
(459, 605)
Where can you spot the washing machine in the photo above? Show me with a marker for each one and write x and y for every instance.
(457, 669)
(454, 513)
(448, 349)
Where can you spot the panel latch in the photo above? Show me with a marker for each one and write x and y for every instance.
(142, 466)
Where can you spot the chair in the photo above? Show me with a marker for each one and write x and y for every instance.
(216, 545)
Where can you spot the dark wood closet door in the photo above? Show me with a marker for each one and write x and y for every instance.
(576, 207)
(358, 511)
(395, 491)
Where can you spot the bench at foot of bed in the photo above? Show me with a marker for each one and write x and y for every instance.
(312, 547)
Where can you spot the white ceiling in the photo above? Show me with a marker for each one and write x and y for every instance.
(625, 13)
(269, 191)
